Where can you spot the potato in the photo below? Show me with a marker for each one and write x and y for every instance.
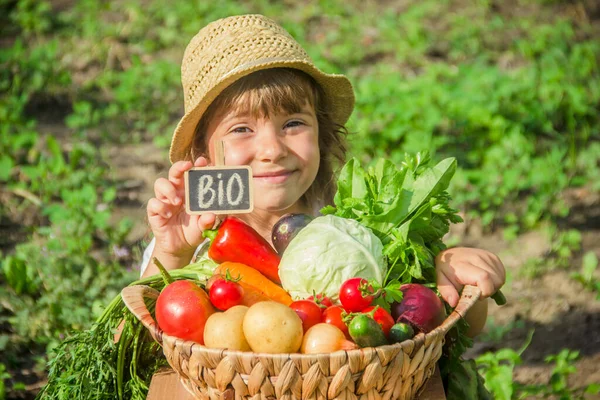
(224, 330)
(272, 327)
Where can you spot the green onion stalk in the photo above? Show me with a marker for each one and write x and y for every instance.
(90, 364)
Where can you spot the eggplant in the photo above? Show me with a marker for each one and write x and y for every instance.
(286, 228)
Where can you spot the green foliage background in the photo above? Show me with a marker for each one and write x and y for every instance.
(515, 96)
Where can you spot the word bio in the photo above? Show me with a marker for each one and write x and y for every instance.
(230, 192)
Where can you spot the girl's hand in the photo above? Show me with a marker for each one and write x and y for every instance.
(461, 266)
(177, 233)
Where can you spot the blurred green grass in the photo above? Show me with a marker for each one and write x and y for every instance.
(511, 89)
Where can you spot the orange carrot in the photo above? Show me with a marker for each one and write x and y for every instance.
(251, 277)
(252, 295)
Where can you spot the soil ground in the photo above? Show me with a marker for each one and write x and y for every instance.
(558, 309)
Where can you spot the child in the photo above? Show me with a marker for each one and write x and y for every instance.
(249, 84)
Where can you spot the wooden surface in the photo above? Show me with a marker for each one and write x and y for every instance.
(165, 385)
(434, 389)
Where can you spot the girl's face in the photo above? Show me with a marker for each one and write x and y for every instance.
(282, 150)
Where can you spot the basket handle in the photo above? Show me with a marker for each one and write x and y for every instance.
(470, 295)
(133, 297)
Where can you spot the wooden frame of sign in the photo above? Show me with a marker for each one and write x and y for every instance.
(219, 189)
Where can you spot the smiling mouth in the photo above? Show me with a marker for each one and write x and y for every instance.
(274, 177)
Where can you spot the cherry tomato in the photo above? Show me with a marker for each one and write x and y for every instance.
(225, 294)
(356, 294)
(333, 315)
(308, 311)
(182, 309)
(382, 317)
(322, 300)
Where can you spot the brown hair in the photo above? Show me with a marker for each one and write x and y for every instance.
(267, 92)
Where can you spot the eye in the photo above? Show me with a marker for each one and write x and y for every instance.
(240, 129)
(294, 123)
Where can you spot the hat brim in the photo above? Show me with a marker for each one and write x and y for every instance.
(337, 88)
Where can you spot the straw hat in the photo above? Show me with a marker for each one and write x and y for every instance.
(231, 48)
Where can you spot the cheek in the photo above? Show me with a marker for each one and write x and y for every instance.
(309, 151)
(234, 153)
(237, 156)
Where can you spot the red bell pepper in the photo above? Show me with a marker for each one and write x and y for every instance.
(235, 241)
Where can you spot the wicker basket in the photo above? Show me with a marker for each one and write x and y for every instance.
(397, 371)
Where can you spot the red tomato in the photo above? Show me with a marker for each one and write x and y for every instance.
(308, 311)
(225, 294)
(356, 294)
(382, 317)
(333, 315)
(322, 300)
(182, 309)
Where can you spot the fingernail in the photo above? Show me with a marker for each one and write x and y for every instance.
(169, 214)
(176, 200)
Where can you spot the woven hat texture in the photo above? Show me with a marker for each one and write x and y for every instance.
(231, 48)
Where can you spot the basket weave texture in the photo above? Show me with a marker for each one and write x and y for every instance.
(397, 371)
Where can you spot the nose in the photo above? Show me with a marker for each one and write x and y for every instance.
(270, 144)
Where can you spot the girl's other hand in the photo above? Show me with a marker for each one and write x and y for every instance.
(177, 233)
(461, 266)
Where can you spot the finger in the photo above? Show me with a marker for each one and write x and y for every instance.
(491, 263)
(201, 162)
(177, 171)
(489, 260)
(447, 289)
(165, 191)
(470, 274)
(206, 221)
(499, 267)
(158, 208)
(497, 281)
(485, 283)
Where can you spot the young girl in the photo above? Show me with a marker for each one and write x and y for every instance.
(249, 84)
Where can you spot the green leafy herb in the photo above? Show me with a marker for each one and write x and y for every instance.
(387, 294)
(407, 207)
(91, 365)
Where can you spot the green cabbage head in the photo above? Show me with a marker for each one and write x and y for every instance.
(327, 252)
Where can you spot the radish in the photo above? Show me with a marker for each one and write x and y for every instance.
(420, 307)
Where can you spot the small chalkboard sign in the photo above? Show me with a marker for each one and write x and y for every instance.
(219, 190)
